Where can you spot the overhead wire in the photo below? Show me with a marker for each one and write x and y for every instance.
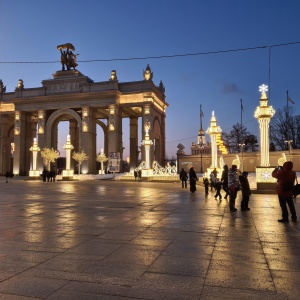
(159, 56)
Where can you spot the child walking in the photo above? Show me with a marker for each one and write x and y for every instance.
(218, 186)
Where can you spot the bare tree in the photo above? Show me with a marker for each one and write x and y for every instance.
(236, 137)
(285, 126)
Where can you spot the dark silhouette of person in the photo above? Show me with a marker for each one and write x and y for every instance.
(246, 192)
(218, 186)
(183, 177)
(193, 179)
(206, 185)
(285, 183)
(224, 180)
(44, 175)
(233, 186)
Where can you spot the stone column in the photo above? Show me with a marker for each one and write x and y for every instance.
(19, 153)
(88, 140)
(147, 134)
(213, 131)
(34, 172)
(133, 143)
(68, 173)
(41, 136)
(147, 143)
(115, 131)
(264, 113)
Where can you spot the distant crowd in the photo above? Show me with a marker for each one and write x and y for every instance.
(232, 181)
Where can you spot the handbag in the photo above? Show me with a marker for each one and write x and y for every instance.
(296, 189)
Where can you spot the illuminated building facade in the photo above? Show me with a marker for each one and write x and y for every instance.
(29, 113)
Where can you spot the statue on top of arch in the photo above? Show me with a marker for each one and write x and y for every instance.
(67, 57)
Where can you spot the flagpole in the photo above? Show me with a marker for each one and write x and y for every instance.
(241, 113)
(287, 98)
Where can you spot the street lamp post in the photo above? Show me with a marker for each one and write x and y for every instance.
(289, 147)
(242, 151)
(201, 148)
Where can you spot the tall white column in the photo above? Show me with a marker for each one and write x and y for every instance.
(68, 173)
(34, 149)
(68, 147)
(147, 143)
(213, 131)
(264, 113)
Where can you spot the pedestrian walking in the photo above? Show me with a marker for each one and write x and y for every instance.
(206, 185)
(135, 174)
(183, 177)
(193, 179)
(285, 182)
(212, 181)
(233, 186)
(140, 175)
(246, 192)
(218, 186)
(44, 174)
(224, 179)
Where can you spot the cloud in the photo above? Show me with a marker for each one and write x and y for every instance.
(231, 88)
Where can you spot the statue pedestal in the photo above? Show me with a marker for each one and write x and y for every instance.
(67, 175)
(264, 179)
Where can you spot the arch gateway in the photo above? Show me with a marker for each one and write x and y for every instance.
(29, 113)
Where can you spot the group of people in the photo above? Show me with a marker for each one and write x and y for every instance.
(233, 181)
(48, 176)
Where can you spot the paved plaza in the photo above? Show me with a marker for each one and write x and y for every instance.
(117, 240)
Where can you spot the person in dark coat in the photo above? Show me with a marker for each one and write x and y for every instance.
(218, 186)
(193, 179)
(206, 185)
(246, 192)
(44, 175)
(285, 182)
(224, 180)
(183, 177)
(233, 186)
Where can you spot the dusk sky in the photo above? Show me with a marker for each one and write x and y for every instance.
(107, 30)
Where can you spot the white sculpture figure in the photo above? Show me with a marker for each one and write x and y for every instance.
(237, 161)
(147, 143)
(34, 149)
(282, 160)
(68, 147)
(222, 162)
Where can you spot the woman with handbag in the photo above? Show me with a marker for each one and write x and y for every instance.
(285, 184)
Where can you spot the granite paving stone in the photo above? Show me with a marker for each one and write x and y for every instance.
(114, 240)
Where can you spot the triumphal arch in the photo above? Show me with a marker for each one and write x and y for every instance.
(29, 113)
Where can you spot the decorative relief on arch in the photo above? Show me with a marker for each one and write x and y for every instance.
(54, 117)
